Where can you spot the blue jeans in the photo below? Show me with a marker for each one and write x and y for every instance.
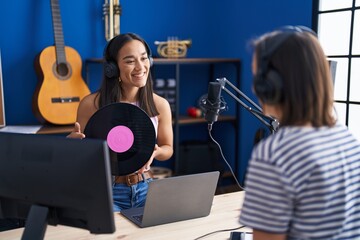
(125, 196)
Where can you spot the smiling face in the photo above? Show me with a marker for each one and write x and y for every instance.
(134, 64)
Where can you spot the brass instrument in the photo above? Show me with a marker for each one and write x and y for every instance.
(173, 48)
(112, 13)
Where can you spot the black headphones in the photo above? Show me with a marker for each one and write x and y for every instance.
(111, 69)
(267, 82)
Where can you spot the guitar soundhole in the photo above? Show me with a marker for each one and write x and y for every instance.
(62, 70)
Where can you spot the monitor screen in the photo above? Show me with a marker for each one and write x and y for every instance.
(55, 180)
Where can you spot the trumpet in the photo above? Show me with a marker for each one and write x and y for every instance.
(111, 13)
(173, 48)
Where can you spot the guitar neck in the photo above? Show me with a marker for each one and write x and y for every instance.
(58, 32)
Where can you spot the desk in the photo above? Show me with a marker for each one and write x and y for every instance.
(224, 215)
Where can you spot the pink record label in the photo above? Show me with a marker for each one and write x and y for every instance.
(120, 139)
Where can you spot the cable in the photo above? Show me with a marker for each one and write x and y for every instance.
(223, 230)
(222, 155)
(242, 188)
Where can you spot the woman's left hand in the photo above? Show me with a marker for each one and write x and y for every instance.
(146, 167)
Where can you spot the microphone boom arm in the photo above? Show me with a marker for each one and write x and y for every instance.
(273, 125)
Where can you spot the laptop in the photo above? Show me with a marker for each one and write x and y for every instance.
(175, 199)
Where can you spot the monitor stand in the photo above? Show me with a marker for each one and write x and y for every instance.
(36, 223)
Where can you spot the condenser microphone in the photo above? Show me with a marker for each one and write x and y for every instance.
(213, 103)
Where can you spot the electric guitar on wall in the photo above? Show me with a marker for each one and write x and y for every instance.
(61, 86)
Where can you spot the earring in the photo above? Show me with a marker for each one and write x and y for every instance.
(119, 80)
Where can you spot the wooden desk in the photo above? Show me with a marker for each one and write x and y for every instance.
(224, 215)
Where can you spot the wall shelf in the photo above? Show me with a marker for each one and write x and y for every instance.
(183, 120)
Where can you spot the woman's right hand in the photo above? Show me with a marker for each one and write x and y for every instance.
(76, 133)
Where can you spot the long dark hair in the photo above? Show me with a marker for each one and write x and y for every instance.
(307, 84)
(110, 90)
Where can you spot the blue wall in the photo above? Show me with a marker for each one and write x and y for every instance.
(217, 29)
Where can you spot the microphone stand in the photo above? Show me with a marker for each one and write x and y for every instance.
(270, 122)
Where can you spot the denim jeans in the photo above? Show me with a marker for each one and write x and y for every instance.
(125, 196)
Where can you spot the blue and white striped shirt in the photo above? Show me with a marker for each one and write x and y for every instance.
(305, 182)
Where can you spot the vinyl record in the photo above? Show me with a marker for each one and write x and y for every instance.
(129, 132)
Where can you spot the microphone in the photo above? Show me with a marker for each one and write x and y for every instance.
(213, 103)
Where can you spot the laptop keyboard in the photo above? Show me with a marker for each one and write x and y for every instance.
(138, 217)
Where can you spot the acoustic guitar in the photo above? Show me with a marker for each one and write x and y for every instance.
(61, 86)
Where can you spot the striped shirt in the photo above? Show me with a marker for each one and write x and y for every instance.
(305, 182)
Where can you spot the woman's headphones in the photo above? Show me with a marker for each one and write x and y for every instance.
(267, 82)
(111, 69)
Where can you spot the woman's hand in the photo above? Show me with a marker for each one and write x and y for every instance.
(146, 167)
(76, 133)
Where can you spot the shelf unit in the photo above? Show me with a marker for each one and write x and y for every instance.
(180, 120)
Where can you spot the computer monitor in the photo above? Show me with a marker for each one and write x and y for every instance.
(55, 180)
